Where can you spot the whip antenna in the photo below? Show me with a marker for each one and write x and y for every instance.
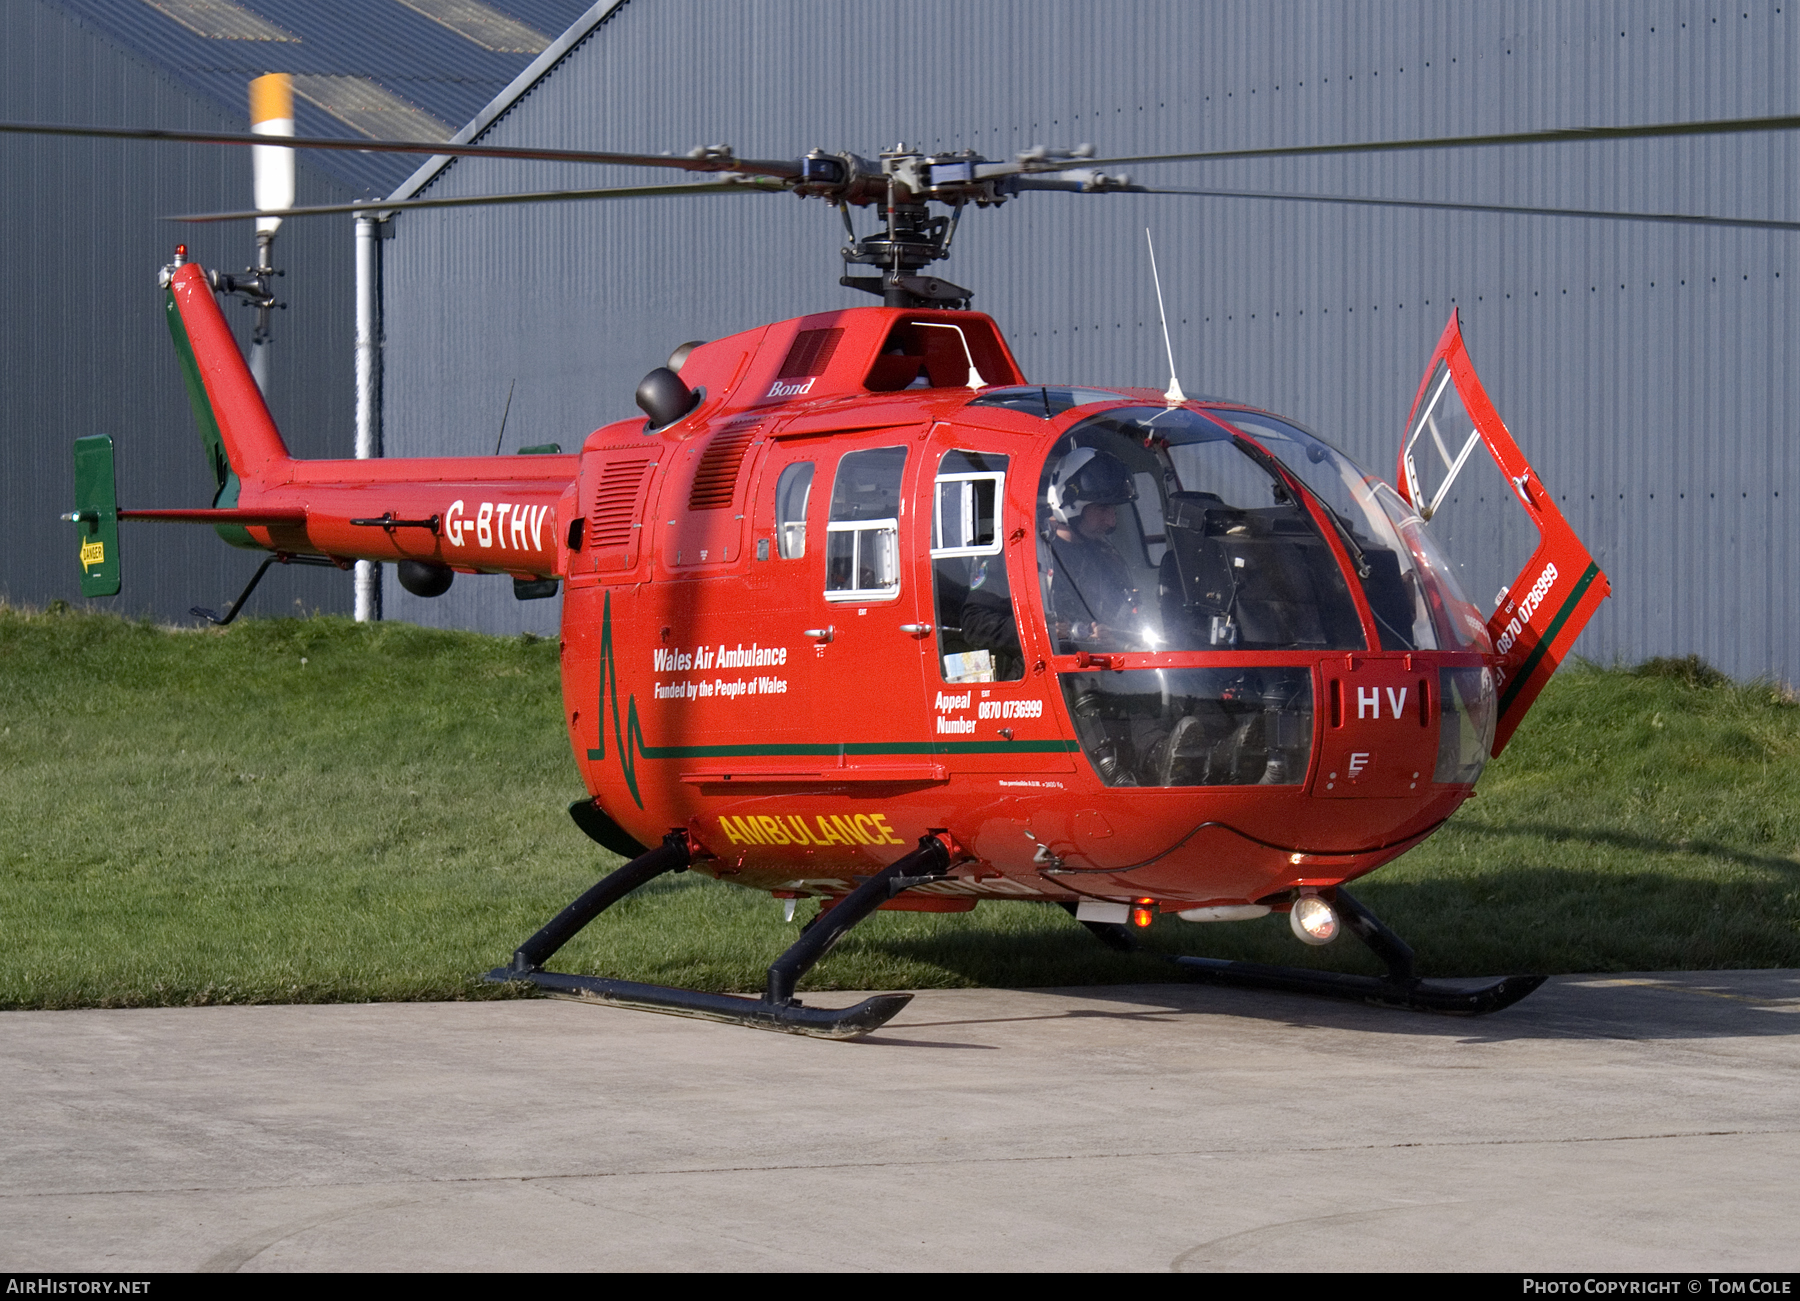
(1174, 395)
(504, 414)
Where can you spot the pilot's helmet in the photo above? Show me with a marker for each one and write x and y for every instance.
(1086, 477)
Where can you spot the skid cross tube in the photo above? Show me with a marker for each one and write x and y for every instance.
(1399, 988)
(778, 1009)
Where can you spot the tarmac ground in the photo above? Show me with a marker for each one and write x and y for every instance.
(1618, 1123)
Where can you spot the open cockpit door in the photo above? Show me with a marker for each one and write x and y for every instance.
(1534, 613)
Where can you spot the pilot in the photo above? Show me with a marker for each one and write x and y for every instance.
(1093, 598)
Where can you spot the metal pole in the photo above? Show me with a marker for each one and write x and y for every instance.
(368, 388)
(259, 337)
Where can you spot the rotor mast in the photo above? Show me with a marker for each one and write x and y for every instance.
(903, 184)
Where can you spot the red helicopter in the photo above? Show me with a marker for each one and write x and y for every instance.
(1139, 653)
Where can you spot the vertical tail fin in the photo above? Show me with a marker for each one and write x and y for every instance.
(241, 440)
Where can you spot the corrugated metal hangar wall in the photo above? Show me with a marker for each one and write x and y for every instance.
(85, 348)
(1645, 368)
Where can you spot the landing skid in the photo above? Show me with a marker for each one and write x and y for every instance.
(1399, 988)
(792, 1018)
(777, 1009)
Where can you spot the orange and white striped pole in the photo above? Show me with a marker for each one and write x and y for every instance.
(272, 167)
(272, 181)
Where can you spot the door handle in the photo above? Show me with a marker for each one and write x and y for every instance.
(821, 635)
(916, 629)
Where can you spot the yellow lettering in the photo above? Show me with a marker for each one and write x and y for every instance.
(821, 829)
(742, 831)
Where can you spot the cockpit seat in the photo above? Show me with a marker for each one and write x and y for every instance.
(1195, 581)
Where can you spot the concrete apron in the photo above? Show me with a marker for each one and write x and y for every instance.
(1605, 1123)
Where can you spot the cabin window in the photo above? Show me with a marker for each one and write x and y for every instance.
(792, 491)
(862, 537)
(978, 634)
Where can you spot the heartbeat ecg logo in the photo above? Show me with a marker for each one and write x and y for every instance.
(628, 736)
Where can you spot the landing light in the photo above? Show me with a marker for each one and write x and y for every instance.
(1143, 912)
(1313, 920)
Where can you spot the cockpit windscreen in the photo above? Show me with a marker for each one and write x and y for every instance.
(1162, 530)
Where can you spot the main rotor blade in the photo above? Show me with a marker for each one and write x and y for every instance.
(1667, 218)
(746, 186)
(1554, 136)
(701, 160)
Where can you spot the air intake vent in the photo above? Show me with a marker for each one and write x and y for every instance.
(616, 502)
(715, 481)
(811, 353)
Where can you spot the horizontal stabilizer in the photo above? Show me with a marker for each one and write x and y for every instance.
(296, 517)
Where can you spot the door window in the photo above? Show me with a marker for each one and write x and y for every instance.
(862, 537)
(978, 634)
(1474, 514)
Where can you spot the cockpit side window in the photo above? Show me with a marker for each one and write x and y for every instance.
(862, 537)
(979, 633)
(1161, 531)
(1384, 564)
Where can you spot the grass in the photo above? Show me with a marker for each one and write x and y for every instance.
(313, 810)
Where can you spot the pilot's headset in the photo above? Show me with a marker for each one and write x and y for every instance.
(1088, 476)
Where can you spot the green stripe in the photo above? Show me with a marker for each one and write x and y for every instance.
(1543, 647)
(848, 748)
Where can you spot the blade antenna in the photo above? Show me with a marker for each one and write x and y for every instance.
(1174, 397)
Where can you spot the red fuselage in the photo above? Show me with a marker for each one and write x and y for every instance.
(829, 610)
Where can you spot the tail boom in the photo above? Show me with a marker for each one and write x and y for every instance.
(500, 514)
